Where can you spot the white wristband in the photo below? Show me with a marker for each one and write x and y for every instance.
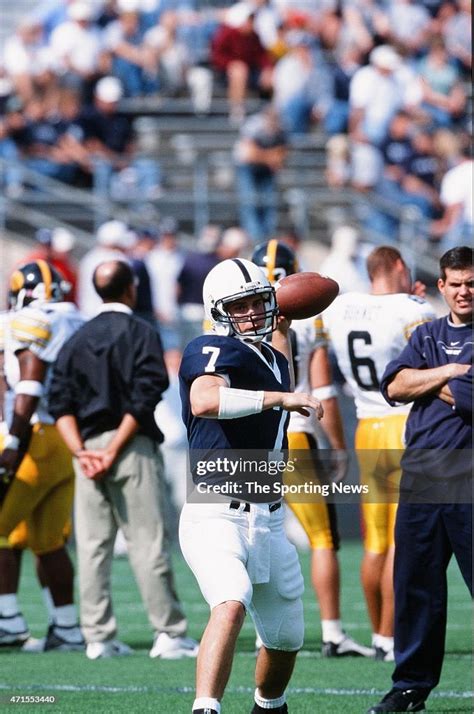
(10, 441)
(29, 387)
(235, 403)
(326, 392)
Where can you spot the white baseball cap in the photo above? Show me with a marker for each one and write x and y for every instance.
(109, 89)
(80, 10)
(234, 238)
(114, 234)
(238, 14)
(385, 57)
(128, 6)
(62, 240)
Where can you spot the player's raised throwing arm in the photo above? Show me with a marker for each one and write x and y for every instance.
(211, 398)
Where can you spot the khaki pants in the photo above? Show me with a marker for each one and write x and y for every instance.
(129, 497)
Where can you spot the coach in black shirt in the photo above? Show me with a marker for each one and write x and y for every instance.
(106, 383)
(114, 367)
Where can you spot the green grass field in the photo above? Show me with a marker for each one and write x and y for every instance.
(139, 684)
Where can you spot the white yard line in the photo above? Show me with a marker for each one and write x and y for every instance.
(450, 694)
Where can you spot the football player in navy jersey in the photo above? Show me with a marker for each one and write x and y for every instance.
(236, 394)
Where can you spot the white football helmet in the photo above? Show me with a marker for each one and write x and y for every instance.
(233, 280)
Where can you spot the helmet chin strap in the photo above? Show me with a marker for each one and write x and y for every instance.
(243, 337)
(229, 330)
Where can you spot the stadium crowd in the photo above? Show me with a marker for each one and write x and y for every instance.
(384, 80)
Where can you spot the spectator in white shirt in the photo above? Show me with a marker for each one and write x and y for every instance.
(25, 58)
(113, 239)
(174, 61)
(375, 95)
(76, 43)
(377, 92)
(406, 23)
(301, 83)
(455, 227)
(164, 264)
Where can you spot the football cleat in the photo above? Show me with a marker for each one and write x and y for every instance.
(109, 648)
(167, 647)
(401, 700)
(279, 710)
(58, 639)
(13, 630)
(383, 655)
(34, 645)
(346, 648)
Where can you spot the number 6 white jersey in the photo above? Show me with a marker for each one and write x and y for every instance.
(366, 332)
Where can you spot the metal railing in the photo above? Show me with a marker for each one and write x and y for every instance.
(47, 202)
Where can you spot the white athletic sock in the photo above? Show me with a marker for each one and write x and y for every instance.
(332, 631)
(207, 702)
(9, 605)
(65, 616)
(269, 703)
(386, 643)
(48, 603)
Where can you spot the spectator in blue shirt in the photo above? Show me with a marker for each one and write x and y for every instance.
(109, 138)
(260, 153)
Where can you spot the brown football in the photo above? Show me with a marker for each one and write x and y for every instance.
(305, 294)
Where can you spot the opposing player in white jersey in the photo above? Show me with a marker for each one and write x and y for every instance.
(366, 332)
(312, 373)
(38, 478)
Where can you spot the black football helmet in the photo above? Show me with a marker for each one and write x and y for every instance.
(276, 259)
(36, 281)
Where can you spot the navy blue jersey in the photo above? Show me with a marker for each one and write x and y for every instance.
(432, 423)
(243, 367)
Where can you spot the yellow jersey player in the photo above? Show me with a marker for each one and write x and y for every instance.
(312, 374)
(37, 474)
(366, 332)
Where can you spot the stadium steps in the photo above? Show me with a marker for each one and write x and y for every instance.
(185, 145)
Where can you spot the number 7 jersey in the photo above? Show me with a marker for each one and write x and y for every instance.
(242, 366)
(366, 332)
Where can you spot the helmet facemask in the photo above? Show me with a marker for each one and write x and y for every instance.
(234, 280)
(231, 323)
